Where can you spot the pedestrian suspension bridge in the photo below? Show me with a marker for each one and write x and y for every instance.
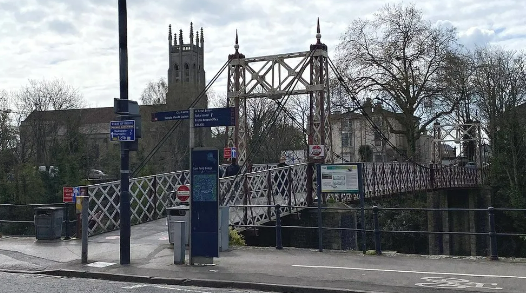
(251, 194)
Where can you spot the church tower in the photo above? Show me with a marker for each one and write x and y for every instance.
(186, 80)
(186, 73)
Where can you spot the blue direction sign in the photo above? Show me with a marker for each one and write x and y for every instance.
(122, 130)
(214, 117)
(170, 115)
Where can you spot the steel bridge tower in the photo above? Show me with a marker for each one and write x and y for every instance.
(276, 77)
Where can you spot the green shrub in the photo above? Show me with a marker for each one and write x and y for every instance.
(235, 238)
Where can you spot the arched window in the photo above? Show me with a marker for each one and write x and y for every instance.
(186, 72)
(176, 69)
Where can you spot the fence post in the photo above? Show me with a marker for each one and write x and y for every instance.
(377, 241)
(279, 244)
(66, 215)
(492, 234)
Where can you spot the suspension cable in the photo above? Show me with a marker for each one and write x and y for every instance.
(375, 127)
(177, 124)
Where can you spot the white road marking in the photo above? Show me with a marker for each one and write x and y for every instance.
(440, 282)
(412, 272)
(100, 264)
(164, 287)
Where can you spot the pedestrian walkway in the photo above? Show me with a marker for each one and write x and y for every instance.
(266, 269)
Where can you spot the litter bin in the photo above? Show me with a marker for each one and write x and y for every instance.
(178, 213)
(48, 222)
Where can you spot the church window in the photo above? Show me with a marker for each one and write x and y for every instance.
(176, 68)
(187, 72)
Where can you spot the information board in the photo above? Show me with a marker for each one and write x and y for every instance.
(204, 202)
(340, 178)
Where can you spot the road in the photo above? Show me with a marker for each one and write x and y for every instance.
(29, 283)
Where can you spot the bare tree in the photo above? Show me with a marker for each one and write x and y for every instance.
(400, 59)
(271, 130)
(155, 93)
(500, 84)
(39, 104)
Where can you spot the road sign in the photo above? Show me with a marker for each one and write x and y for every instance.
(183, 193)
(122, 130)
(214, 117)
(67, 194)
(170, 115)
(227, 153)
(316, 151)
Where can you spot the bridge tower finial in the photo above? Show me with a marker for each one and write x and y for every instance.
(318, 33)
(236, 46)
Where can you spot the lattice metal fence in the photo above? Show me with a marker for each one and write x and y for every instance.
(286, 186)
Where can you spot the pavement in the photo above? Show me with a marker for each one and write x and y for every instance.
(256, 268)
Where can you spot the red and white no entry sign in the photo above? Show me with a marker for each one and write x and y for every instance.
(183, 193)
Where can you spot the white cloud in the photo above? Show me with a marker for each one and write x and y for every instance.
(78, 40)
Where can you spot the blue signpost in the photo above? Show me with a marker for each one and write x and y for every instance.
(122, 130)
(170, 115)
(214, 117)
(204, 218)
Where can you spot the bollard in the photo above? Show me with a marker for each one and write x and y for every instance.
(179, 242)
(279, 244)
(224, 234)
(85, 212)
(377, 241)
(492, 234)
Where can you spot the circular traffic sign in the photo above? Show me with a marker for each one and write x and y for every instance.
(316, 150)
(183, 193)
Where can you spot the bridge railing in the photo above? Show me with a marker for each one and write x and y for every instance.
(269, 185)
(286, 186)
(151, 195)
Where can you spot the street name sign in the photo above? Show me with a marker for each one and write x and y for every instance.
(170, 115)
(214, 117)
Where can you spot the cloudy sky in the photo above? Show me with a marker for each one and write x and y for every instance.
(77, 40)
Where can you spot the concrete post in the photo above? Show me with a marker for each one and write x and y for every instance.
(224, 221)
(179, 241)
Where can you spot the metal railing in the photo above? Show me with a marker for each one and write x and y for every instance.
(18, 219)
(373, 226)
(267, 185)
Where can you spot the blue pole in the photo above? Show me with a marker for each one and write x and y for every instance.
(318, 195)
(279, 242)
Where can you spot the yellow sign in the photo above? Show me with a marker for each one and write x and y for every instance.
(78, 200)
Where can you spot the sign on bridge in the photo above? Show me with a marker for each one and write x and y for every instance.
(212, 117)
(170, 115)
(340, 178)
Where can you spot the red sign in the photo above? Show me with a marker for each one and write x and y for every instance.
(183, 193)
(316, 151)
(67, 193)
(227, 153)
